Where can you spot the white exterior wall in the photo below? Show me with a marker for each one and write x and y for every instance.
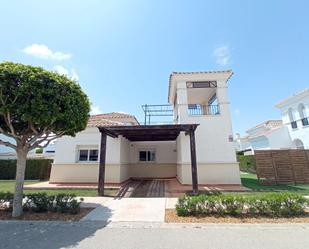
(280, 138)
(216, 159)
(301, 132)
(121, 159)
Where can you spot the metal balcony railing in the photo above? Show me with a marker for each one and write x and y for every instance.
(196, 109)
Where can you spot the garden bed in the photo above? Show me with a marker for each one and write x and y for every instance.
(172, 217)
(47, 216)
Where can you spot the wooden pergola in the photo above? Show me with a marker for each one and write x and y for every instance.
(147, 133)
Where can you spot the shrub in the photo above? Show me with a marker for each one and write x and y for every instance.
(35, 169)
(268, 204)
(6, 200)
(41, 202)
(247, 163)
(67, 204)
(39, 151)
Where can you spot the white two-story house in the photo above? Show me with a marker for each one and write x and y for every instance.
(197, 146)
(271, 134)
(291, 132)
(295, 116)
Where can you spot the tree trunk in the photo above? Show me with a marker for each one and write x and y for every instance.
(19, 185)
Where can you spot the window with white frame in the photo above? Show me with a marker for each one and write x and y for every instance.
(147, 155)
(87, 154)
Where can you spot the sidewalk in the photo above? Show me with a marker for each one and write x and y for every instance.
(127, 209)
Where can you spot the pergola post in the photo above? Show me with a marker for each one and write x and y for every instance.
(102, 164)
(193, 162)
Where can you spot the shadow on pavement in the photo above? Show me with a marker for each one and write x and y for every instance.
(48, 234)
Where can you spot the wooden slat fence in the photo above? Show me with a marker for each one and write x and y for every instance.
(282, 166)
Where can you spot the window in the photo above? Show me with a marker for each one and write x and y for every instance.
(88, 155)
(147, 156)
(303, 115)
(305, 121)
(93, 155)
(294, 124)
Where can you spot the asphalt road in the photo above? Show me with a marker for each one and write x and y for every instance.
(92, 235)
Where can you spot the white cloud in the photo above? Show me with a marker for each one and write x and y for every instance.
(63, 71)
(222, 55)
(43, 52)
(237, 112)
(74, 75)
(95, 110)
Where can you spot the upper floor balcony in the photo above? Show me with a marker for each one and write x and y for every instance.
(199, 110)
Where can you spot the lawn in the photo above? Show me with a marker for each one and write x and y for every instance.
(250, 181)
(8, 186)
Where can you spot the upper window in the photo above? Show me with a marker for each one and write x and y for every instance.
(292, 120)
(303, 115)
(88, 155)
(147, 155)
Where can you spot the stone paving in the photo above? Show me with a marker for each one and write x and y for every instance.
(143, 188)
(126, 209)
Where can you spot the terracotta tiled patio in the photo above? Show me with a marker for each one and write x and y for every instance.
(145, 187)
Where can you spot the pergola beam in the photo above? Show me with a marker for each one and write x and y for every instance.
(193, 162)
(148, 133)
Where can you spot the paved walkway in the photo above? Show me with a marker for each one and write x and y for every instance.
(144, 188)
(127, 209)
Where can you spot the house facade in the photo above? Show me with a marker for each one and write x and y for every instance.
(271, 134)
(295, 117)
(291, 132)
(133, 150)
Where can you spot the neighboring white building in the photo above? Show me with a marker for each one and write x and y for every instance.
(271, 134)
(196, 98)
(291, 132)
(295, 116)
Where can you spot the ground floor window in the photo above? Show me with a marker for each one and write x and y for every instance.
(88, 155)
(147, 155)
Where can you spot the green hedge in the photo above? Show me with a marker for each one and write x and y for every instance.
(268, 204)
(247, 163)
(41, 202)
(36, 169)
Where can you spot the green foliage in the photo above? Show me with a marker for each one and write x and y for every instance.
(42, 202)
(35, 169)
(67, 204)
(268, 204)
(39, 151)
(247, 163)
(239, 153)
(6, 200)
(39, 202)
(32, 95)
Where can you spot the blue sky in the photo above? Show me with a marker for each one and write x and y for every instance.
(122, 52)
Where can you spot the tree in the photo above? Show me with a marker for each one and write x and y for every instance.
(37, 107)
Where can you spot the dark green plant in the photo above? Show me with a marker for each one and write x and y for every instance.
(6, 200)
(39, 202)
(37, 107)
(39, 151)
(67, 203)
(36, 169)
(247, 163)
(268, 204)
